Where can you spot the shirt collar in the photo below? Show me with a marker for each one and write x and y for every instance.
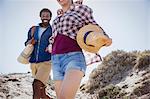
(60, 11)
(41, 26)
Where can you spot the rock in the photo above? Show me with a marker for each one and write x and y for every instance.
(19, 86)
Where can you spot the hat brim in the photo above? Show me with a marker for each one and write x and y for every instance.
(80, 38)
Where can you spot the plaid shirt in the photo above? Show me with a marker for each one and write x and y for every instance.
(71, 21)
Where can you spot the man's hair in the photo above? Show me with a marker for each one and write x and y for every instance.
(45, 10)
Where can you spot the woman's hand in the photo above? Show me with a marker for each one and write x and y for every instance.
(109, 42)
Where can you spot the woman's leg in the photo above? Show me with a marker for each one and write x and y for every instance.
(70, 84)
(58, 84)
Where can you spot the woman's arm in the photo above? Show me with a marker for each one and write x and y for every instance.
(90, 19)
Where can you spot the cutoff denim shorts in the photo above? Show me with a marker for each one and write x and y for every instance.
(61, 63)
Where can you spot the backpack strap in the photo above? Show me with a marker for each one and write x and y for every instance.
(32, 35)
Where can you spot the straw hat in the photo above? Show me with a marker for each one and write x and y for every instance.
(91, 38)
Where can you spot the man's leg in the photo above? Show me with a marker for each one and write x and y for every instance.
(41, 74)
(36, 89)
(35, 85)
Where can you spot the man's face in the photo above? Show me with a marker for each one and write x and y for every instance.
(45, 17)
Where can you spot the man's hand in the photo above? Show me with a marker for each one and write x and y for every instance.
(49, 48)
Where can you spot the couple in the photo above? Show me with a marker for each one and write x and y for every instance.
(59, 45)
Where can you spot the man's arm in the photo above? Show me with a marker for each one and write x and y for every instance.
(30, 38)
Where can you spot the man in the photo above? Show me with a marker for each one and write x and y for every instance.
(40, 58)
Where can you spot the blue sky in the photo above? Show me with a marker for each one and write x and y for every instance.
(126, 21)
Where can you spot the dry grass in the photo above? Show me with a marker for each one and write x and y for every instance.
(114, 68)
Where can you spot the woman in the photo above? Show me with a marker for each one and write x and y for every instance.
(68, 62)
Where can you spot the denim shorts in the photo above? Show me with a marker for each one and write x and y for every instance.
(61, 63)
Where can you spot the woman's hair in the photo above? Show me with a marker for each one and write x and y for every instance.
(72, 1)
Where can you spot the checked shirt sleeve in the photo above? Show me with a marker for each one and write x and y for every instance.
(54, 33)
(87, 12)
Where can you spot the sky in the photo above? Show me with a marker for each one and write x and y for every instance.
(127, 22)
